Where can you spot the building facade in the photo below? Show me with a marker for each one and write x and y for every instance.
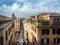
(43, 29)
(5, 29)
(17, 25)
(7, 33)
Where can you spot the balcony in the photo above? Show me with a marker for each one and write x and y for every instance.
(43, 23)
(39, 23)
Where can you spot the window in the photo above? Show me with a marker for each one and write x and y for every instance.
(56, 31)
(35, 39)
(45, 41)
(45, 31)
(56, 19)
(35, 30)
(6, 36)
(56, 40)
(1, 40)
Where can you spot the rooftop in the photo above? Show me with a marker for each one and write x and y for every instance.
(5, 24)
(51, 14)
(4, 21)
(5, 18)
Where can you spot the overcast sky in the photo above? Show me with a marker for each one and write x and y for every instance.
(26, 8)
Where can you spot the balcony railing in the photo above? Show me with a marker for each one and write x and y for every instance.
(43, 23)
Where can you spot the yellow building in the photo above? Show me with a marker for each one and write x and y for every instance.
(30, 34)
(5, 29)
(17, 25)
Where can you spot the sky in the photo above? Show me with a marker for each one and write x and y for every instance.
(26, 8)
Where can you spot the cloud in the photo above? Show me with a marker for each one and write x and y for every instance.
(7, 10)
(26, 8)
(7, 2)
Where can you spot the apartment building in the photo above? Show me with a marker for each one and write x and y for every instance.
(17, 25)
(5, 29)
(30, 34)
(43, 29)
